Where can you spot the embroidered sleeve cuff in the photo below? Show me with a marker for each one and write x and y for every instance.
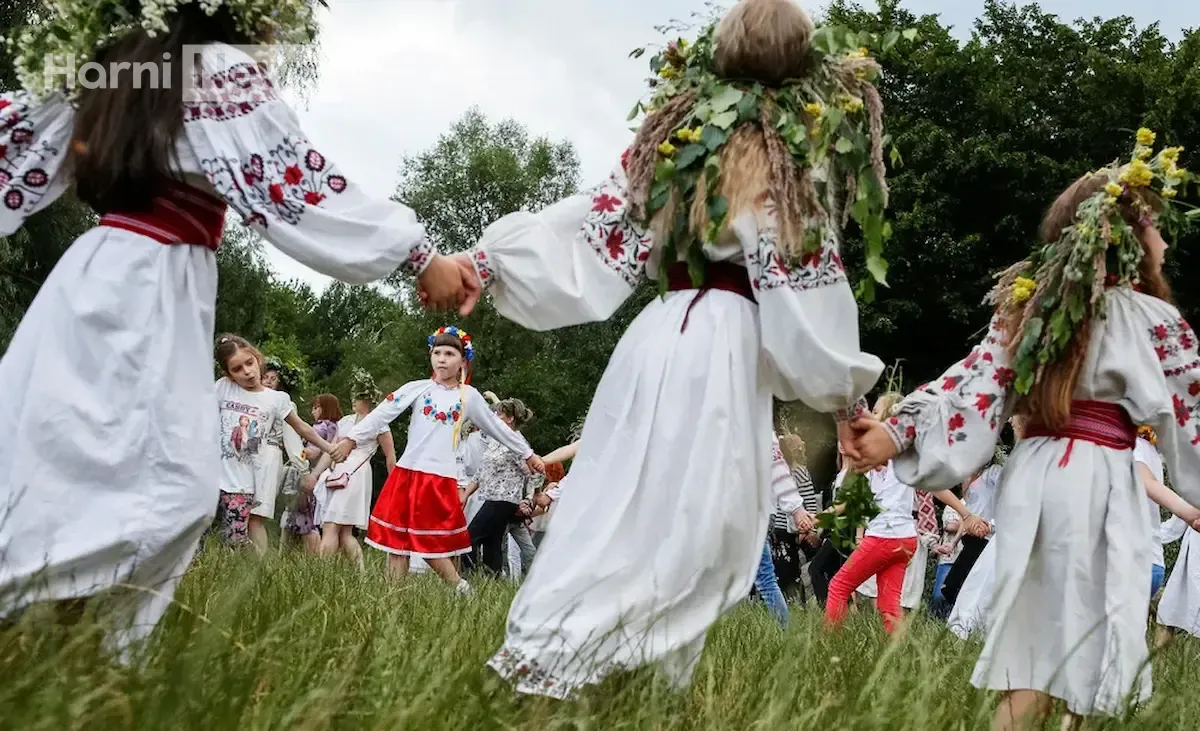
(483, 267)
(419, 257)
(902, 429)
(851, 413)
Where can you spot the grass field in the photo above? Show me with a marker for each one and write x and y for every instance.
(298, 643)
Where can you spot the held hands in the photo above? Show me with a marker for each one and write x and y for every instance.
(805, 521)
(542, 500)
(535, 464)
(976, 526)
(342, 451)
(450, 282)
(944, 549)
(872, 444)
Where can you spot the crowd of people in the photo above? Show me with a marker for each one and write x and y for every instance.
(759, 145)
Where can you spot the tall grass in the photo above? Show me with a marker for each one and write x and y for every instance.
(299, 643)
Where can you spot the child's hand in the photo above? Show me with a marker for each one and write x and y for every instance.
(873, 444)
(343, 450)
(535, 464)
(943, 549)
(804, 521)
(542, 500)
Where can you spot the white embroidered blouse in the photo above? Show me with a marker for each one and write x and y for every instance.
(435, 411)
(244, 145)
(578, 260)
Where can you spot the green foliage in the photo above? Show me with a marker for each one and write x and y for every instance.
(298, 642)
(860, 508)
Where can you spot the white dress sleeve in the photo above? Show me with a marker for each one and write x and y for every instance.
(396, 403)
(1171, 530)
(948, 429)
(573, 262)
(808, 320)
(34, 140)
(787, 495)
(481, 415)
(250, 147)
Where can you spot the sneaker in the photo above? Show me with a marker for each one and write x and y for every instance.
(463, 588)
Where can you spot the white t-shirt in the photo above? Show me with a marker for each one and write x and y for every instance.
(247, 418)
(895, 519)
(981, 494)
(1147, 454)
(950, 515)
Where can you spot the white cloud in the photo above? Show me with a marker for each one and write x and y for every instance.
(396, 73)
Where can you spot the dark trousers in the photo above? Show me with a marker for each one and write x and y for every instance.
(488, 530)
(821, 569)
(971, 548)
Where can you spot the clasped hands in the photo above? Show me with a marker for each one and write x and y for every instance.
(450, 282)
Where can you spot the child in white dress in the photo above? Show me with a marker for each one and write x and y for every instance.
(91, 501)
(1086, 342)
(418, 513)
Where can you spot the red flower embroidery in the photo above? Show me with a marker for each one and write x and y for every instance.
(293, 175)
(983, 402)
(951, 382)
(987, 358)
(971, 360)
(1160, 332)
(1194, 389)
(1004, 377)
(1182, 415)
(894, 421)
(428, 410)
(910, 433)
(313, 198)
(1186, 342)
(1161, 352)
(615, 243)
(391, 397)
(3, 150)
(605, 203)
(958, 421)
(276, 191)
(811, 260)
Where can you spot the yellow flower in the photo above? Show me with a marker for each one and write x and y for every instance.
(1113, 189)
(668, 72)
(1170, 155)
(689, 135)
(1146, 137)
(666, 149)
(1142, 152)
(815, 109)
(851, 104)
(1169, 193)
(1022, 289)
(1137, 174)
(860, 53)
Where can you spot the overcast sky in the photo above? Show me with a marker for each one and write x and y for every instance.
(396, 73)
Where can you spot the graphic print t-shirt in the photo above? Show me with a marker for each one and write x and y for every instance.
(247, 419)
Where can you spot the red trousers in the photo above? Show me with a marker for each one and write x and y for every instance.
(885, 558)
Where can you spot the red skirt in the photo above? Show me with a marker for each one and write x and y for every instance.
(419, 514)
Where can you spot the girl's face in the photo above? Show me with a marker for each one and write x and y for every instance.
(316, 412)
(447, 362)
(1155, 246)
(270, 379)
(244, 369)
(362, 408)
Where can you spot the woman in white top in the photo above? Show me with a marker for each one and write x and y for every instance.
(126, 317)
(349, 507)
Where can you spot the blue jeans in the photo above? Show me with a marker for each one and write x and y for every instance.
(939, 607)
(767, 587)
(1157, 574)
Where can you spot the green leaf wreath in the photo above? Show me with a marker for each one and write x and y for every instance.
(860, 507)
(830, 121)
(1062, 284)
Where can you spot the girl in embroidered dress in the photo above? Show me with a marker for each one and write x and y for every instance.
(1085, 362)
(674, 462)
(89, 500)
(419, 514)
(255, 469)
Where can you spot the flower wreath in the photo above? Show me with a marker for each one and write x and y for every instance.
(468, 346)
(830, 119)
(78, 28)
(1062, 284)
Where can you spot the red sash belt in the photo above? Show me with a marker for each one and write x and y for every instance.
(1107, 425)
(717, 275)
(180, 214)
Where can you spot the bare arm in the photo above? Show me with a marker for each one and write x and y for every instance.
(562, 454)
(1166, 497)
(388, 445)
(310, 435)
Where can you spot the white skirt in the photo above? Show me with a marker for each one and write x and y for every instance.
(108, 473)
(352, 504)
(1180, 603)
(1072, 570)
(974, 602)
(268, 477)
(661, 528)
(914, 580)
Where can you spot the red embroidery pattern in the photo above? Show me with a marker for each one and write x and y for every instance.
(419, 257)
(282, 185)
(978, 384)
(232, 93)
(483, 267)
(430, 411)
(621, 244)
(1175, 345)
(817, 269)
(21, 186)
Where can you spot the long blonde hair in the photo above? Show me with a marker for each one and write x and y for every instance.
(795, 452)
